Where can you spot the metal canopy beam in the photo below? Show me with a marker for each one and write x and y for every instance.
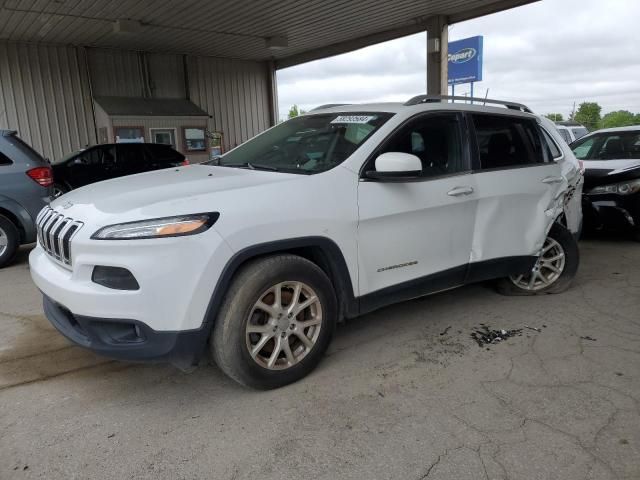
(420, 25)
(287, 32)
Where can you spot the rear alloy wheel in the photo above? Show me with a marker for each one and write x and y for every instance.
(547, 269)
(554, 270)
(275, 322)
(9, 240)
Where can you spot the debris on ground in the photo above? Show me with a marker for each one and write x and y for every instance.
(444, 332)
(535, 329)
(587, 337)
(486, 336)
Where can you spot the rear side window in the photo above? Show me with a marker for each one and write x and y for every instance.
(505, 141)
(550, 145)
(565, 134)
(4, 160)
(132, 156)
(163, 154)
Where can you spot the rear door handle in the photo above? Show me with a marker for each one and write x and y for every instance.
(551, 180)
(459, 191)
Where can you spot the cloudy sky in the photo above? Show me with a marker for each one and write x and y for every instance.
(546, 55)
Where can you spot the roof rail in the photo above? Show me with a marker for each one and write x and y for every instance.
(440, 98)
(328, 105)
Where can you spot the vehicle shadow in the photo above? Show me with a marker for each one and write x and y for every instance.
(435, 329)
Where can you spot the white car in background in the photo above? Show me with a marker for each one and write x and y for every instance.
(326, 216)
(571, 131)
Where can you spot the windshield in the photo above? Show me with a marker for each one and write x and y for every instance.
(608, 146)
(67, 157)
(308, 144)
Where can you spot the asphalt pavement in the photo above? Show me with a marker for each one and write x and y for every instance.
(404, 393)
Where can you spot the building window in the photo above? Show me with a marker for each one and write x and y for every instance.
(194, 139)
(216, 144)
(129, 134)
(164, 136)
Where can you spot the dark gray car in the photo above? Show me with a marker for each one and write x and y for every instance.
(25, 188)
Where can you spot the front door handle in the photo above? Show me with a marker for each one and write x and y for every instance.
(459, 191)
(551, 180)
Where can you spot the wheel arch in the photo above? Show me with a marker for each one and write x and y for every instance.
(322, 251)
(17, 218)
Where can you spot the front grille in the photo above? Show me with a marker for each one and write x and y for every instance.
(55, 232)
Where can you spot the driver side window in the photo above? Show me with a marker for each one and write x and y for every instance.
(435, 139)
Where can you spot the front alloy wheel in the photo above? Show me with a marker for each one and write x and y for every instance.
(284, 325)
(276, 321)
(546, 271)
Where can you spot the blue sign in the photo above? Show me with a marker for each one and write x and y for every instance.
(465, 61)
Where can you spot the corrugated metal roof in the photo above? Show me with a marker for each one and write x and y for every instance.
(151, 107)
(232, 29)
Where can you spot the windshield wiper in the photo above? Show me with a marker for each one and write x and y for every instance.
(251, 166)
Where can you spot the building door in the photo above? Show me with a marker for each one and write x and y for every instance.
(165, 136)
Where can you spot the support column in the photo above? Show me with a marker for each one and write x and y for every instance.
(437, 55)
(272, 92)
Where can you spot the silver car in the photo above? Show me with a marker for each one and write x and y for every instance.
(26, 185)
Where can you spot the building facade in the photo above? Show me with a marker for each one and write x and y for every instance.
(51, 95)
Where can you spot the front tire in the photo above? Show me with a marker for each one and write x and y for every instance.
(9, 241)
(275, 322)
(554, 271)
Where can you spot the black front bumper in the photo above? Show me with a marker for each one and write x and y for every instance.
(129, 340)
(611, 211)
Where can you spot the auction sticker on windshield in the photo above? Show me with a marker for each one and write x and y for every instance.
(353, 119)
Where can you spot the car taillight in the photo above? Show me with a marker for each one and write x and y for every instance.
(185, 162)
(41, 175)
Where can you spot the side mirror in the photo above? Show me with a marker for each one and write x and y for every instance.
(77, 161)
(396, 167)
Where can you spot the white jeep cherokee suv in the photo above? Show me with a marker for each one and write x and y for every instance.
(324, 217)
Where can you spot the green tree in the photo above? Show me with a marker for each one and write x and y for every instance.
(588, 114)
(620, 118)
(294, 111)
(555, 117)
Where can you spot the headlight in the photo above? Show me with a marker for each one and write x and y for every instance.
(158, 227)
(623, 188)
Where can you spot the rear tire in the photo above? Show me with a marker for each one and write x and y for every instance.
(9, 241)
(554, 271)
(265, 339)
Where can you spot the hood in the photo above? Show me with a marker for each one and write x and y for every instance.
(172, 190)
(604, 172)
